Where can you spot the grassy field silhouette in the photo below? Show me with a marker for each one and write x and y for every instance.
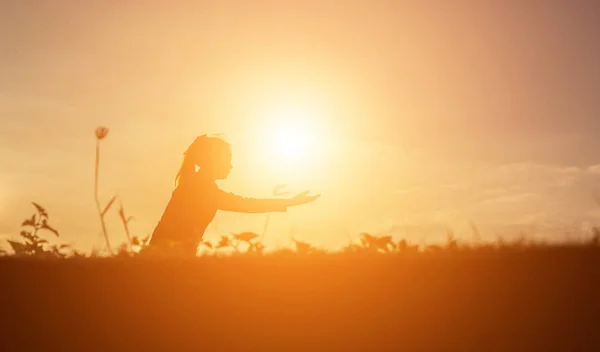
(509, 297)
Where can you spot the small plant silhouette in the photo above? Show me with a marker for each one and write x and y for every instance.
(126, 220)
(206, 244)
(376, 243)
(256, 247)
(303, 248)
(224, 242)
(251, 239)
(403, 247)
(139, 243)
(451, 243)
(33, 244)
(235, 240)
(245, 237)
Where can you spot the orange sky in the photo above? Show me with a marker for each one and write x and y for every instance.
(425, 114)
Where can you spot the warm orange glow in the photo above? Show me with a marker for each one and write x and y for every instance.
(405, 119)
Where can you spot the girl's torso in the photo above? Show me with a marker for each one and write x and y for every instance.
(189, 212)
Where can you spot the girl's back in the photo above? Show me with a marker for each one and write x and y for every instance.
(189, 212)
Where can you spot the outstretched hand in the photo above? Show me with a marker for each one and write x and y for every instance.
(302, 198)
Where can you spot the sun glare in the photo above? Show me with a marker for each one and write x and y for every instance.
(291, 135)
(291, 142)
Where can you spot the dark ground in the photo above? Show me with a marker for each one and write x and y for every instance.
(536, 300)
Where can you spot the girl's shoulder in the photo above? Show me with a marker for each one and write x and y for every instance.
(194, 183)
(203, 184)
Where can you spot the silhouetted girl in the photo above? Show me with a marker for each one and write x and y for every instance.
(196, 198)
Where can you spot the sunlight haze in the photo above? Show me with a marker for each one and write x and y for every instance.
(408, 117)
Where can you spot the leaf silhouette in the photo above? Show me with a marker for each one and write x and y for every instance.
(124, 218)
(367, 240)
(29, 236)
(18, 247)
(224, 242)
(110, 203)
(135, 241)
(302, 247)
(49, 228)
(29, 222)
(375, 243)
(384, 243)
(245, 236)
(122, 213)
(40, 209)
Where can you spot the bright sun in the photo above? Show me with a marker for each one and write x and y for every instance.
(290, 134)
(294, 143)
(291, 141)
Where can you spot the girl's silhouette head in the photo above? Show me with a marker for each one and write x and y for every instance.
(212, 155)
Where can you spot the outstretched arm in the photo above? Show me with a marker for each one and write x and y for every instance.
(232, 202)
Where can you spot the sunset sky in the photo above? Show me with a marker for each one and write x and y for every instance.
(419, 114)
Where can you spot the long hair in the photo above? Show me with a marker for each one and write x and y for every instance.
(203, 150)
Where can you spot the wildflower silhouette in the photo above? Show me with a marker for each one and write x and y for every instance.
(101, 133)
(196, 197)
